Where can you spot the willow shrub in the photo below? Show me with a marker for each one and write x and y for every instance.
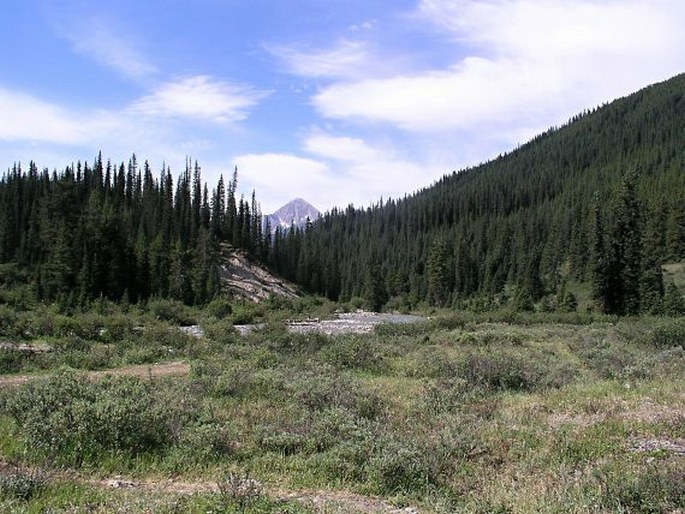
(71, 420)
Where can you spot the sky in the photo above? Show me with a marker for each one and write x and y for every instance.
(337, 102)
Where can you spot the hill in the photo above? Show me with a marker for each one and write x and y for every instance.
(522, 222)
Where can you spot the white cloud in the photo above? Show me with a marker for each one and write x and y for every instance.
(200, 97)
(346, 59)
(532, 63)
(346, 170)
(23, 117)
(107, 44)
(340, 148)
(280, 177)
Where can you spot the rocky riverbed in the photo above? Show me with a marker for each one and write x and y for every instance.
(344, 323)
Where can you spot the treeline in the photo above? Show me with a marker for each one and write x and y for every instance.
(522, 227)
(121, 232)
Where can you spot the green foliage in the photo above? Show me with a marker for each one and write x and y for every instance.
(400, 467)
(441, 415)
(70, 420)
(170, 310)
(220, 308)
(94, 232)
(674, 301)
(656, 489)
(575, 203)
(21, 484)
(502, 370)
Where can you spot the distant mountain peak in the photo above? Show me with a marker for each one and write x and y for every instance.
(295, 212)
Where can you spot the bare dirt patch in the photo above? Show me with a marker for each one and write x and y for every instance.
(319, 500)
(645, 412)
(164, 369)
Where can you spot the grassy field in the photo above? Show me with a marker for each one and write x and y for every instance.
(460, 413)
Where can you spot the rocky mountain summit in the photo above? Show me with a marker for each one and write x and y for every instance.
(296, 212)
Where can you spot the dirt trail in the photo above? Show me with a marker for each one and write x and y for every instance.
(320, 500)
(164, 369)
(324, 501)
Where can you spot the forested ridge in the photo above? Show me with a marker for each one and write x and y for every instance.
(599, 200)
(120, 232)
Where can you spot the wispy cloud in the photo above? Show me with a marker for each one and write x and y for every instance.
(24, 117)
(280, 177)
(531, 63)
(348, 149)
(345, 59)
(200, 97)
(338, 171)
(108, 45)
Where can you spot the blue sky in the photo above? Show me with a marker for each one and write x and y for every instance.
(337, 102)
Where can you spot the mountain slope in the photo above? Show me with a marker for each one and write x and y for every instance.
(524, 218)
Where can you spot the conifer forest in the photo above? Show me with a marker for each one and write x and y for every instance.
(600, 200)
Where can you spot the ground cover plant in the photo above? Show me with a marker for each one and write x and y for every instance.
(464, 412)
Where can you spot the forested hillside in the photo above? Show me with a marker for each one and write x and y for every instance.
(600, 200)
(119, 232)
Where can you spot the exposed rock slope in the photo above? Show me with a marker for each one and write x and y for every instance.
(245, 279)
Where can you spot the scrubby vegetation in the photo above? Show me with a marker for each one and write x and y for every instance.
(465, 412)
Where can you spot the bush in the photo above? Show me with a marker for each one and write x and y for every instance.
(219, 308)
(246, 312)
(321, 388)
(354, 353)
(430, 362)
(69, 419)
(20, 484)
(658, 489)
(513, 371)
(221, 332)
(11, 360)
(667, 333)
(172, 311)
(277, 337)
(399, 467)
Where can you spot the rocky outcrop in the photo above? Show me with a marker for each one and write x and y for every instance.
(244, 279)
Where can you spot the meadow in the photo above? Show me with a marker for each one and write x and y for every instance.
(491, 412)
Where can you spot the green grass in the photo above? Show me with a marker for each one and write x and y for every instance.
(675, 272)
(462, 413)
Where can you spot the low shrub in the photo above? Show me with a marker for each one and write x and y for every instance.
(503, 370)
(399, 467)
(666, 333)
(219, 308)
(221, 331)
(277, 337)
(322, 387)
(354, 352)
(246, 312)
(430, 362)
(71, 420)
(172, 311)
(239, 491)
(17, 484)
(12, 360)
(660, 488)
(95, 356)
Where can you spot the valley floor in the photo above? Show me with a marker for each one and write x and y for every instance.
(459, 413)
